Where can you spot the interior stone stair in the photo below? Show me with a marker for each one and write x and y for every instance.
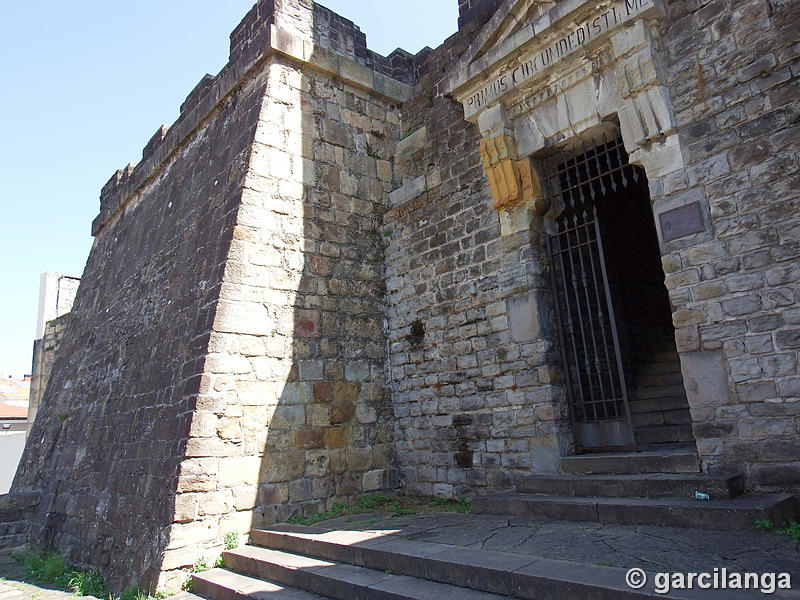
(647, 488)
(659, 409)
(300, 563)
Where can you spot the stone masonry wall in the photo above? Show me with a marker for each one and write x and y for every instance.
(733, 69)
(472, 390)
(16, 513)
(224, 365)
(293, 413)
(114, 421)
(44, 353)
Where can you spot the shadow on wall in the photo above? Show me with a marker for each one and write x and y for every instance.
(225, 365)
(321, 172)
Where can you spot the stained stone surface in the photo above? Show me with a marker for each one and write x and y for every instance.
(652, 548)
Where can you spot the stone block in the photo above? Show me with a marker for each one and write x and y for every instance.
(788, 339)
(185, 508)
(226, 363)
(214, 503)
(337, 437)
(307, 323)
(358, 459)
(777, 475)
(309, 439)
(209, 447)
(240, 522)
(242, 317)
(283, 466)
(193, 534)
(245, 497)
(705, 378)
(373, 480)
(756, 392)
(687, 339)
(288, 417)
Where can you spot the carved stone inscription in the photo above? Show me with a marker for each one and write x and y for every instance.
(543, 57)
(680, 222)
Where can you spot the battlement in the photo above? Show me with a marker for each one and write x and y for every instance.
(474, 13)
(299, 29)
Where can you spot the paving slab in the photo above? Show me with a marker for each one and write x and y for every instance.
(650, 547)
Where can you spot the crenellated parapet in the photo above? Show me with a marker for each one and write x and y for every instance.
(298, 29)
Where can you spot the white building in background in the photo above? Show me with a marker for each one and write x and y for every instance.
(56, 295)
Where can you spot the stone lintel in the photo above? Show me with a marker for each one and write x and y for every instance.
(530, 54)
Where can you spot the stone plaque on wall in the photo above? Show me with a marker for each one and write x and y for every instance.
(680, 222)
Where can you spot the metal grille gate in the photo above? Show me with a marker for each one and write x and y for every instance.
(590, 340)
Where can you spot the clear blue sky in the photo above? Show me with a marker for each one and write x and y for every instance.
(84, 86)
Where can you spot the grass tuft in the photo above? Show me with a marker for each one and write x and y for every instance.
(231, 540)
(397, 506)
(49, 568)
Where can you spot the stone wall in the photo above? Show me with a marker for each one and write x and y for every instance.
(475, 377)
(733, 74)
(44, 353)
(293, 414)
(116, 414)
(308, 289)
(469, 373)
(223, 366)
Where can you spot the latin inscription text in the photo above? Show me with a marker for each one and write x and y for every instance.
(535, 62)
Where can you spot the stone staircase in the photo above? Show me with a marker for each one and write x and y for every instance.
(645, 488)
(300, 563)
(659, 409)
(16, 511)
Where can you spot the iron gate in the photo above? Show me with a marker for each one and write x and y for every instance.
(587, 325)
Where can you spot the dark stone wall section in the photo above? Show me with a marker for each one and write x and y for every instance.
(115, 417)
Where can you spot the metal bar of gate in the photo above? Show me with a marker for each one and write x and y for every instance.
(587, 325)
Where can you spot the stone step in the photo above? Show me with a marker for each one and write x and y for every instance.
(341, 581)
(221, 584)
(658, 485)
(727, 514)
(462, 571)
(666, 417)
(664, 434)
(639, 405)
(659, 366)
(660, 392)
(658, 379)
(673, 461)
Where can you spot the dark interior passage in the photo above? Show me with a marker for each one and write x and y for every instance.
(658, 404)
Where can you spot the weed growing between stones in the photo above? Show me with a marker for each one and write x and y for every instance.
(50, 568)
(791, 528)
(231, 540)
(397, 506)
(202, 564)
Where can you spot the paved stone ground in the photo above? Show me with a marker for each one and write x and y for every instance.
(653, 548)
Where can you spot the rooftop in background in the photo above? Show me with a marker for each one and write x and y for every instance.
(14, 394)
